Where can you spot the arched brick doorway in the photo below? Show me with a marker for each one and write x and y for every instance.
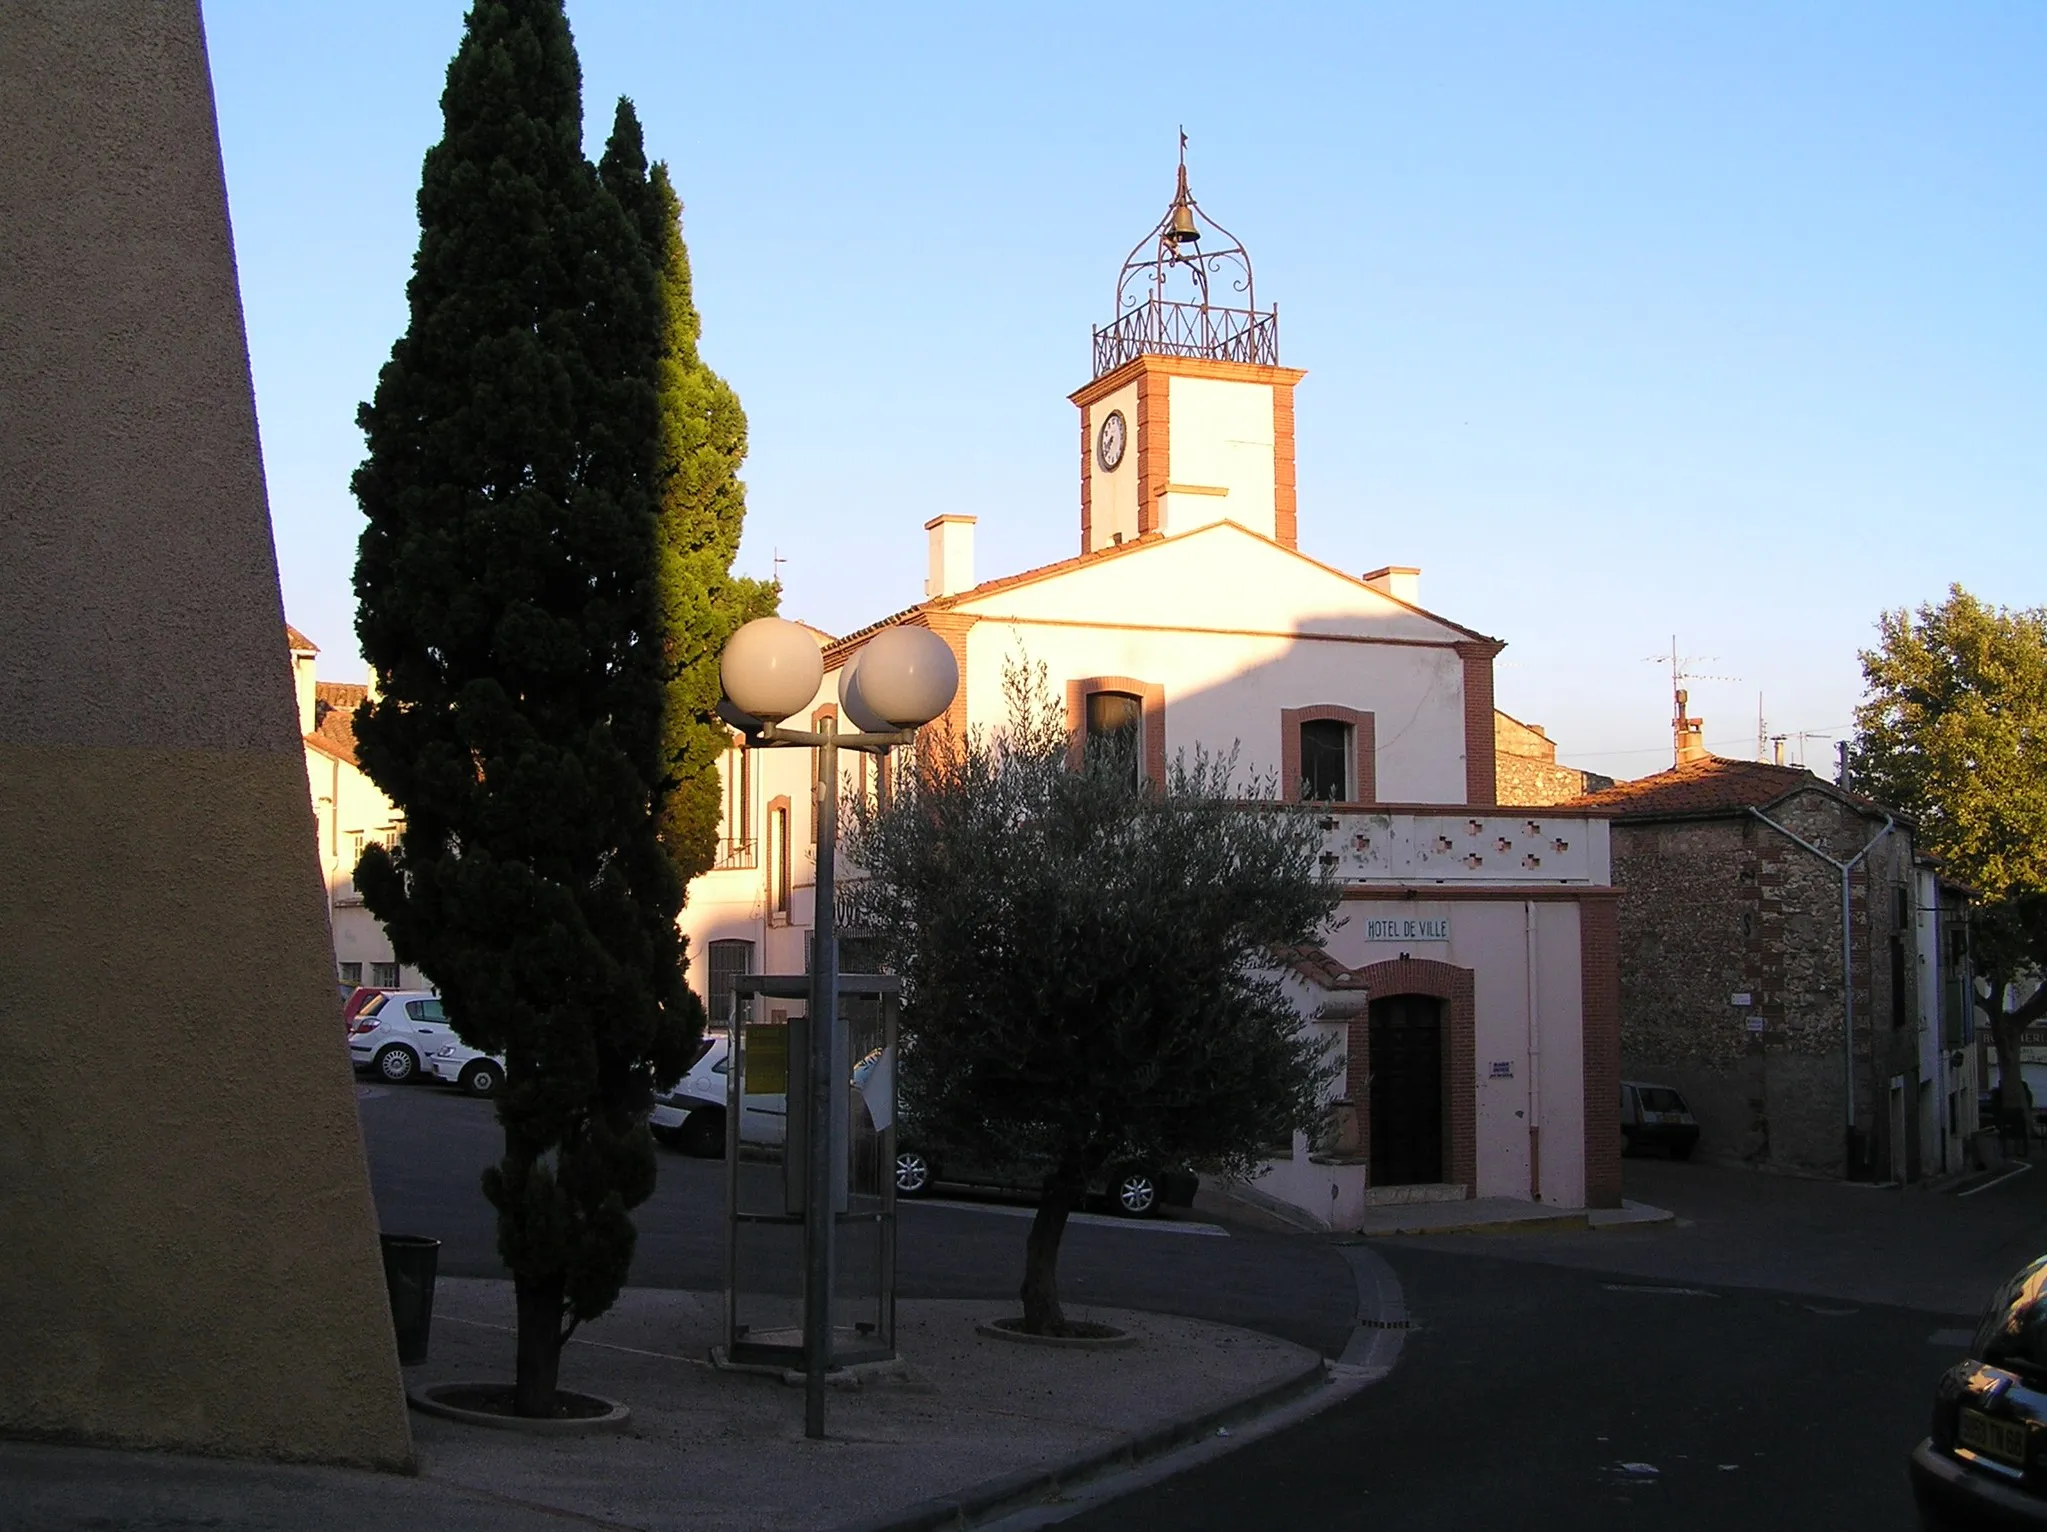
(1395, 988)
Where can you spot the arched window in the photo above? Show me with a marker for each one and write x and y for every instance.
(1328, 754)
(1115, 722)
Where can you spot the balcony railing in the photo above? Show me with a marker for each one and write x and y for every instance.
(738, 856)
(1159, 328)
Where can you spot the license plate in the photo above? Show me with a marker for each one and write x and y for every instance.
(2003, 1440)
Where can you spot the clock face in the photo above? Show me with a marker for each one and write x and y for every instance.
(1110, 441)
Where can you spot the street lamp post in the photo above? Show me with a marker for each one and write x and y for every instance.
(901, 680)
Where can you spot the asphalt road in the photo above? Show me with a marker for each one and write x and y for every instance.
(428, 1147)
(1543, 1397)
(1766, 1361)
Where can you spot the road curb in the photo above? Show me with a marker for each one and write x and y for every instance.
(1014, 1491)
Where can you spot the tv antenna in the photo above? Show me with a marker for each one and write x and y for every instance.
(1686, 743)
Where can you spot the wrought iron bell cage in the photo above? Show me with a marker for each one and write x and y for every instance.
(1189, 251)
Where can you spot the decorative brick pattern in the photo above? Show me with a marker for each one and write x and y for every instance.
(1364, 738)
(1599, 959)
(1454, 986)
(1150, 694)
(1481, 766)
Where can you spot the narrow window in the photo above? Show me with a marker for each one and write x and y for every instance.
(1325, 759)
(351, 973)
(738, 845)
(779, 851)
(729, 959)
(384, 975)
(1114, 723)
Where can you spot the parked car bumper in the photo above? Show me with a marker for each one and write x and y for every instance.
(1948, 1487)
(1659, 1135)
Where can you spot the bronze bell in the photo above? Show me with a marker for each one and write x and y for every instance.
(1180, 227)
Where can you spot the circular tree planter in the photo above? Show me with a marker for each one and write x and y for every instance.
(1085, 1334)
(490, 1404)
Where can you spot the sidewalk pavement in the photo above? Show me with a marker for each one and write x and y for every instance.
(970, 1425)
(1472, 1215)
(1502, 1215)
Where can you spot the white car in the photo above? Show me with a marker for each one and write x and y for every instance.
(691, 1115)
(396, 1033)
(477, 1072)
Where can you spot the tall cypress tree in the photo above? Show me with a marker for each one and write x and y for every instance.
(509, 605)
(703, 507)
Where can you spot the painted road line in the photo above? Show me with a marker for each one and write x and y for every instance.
(2017, 1170)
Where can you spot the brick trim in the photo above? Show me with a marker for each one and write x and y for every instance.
(1285, 520)
(1481, 764)
(953, 627)
(1364, 748)
(1599, 958)
(1150, 694)
(1184, 367)
(1154, 426)
(1087, 483)
(1457, 989)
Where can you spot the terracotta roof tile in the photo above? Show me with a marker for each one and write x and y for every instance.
(334, 735)
(1317, 967)
(1712, 786)
(340, 693)
(298, 642)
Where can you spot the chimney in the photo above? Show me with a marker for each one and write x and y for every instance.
(952, 555)
(1400, 581)
(1687, 743)
(302, 651)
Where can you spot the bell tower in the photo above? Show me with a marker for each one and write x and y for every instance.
(1189, 418)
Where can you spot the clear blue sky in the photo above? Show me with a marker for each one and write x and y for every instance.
(1621, 320)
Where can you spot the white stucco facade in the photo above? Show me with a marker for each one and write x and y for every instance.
(1470, 978)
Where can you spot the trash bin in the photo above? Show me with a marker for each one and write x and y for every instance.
(409, 1264)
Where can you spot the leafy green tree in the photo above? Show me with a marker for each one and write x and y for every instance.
(1953, 731)
(703, 508)
(1083, 961)
(507, 589)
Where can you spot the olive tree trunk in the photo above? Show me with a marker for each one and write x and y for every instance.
(1040, 1292)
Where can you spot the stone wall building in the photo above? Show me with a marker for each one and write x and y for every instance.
(1731, 973)
(1526, 765)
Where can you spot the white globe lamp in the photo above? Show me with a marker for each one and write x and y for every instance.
(854, 705)
(907, 676)
(771, 668)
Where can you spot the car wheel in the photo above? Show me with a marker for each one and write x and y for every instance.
(913, 1173)
(482, 1079)
(1680, 1151)
(703, 1133)
(1137, 1194)
(396, 1063)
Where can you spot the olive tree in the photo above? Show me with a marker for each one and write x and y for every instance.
(1085, 959)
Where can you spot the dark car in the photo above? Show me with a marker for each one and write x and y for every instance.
(1134, 1191)
(1656, 1117)
(1985, 1463)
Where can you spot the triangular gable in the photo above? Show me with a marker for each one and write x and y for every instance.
(1218, 577)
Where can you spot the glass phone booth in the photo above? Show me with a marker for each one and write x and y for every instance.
(765, 1156)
